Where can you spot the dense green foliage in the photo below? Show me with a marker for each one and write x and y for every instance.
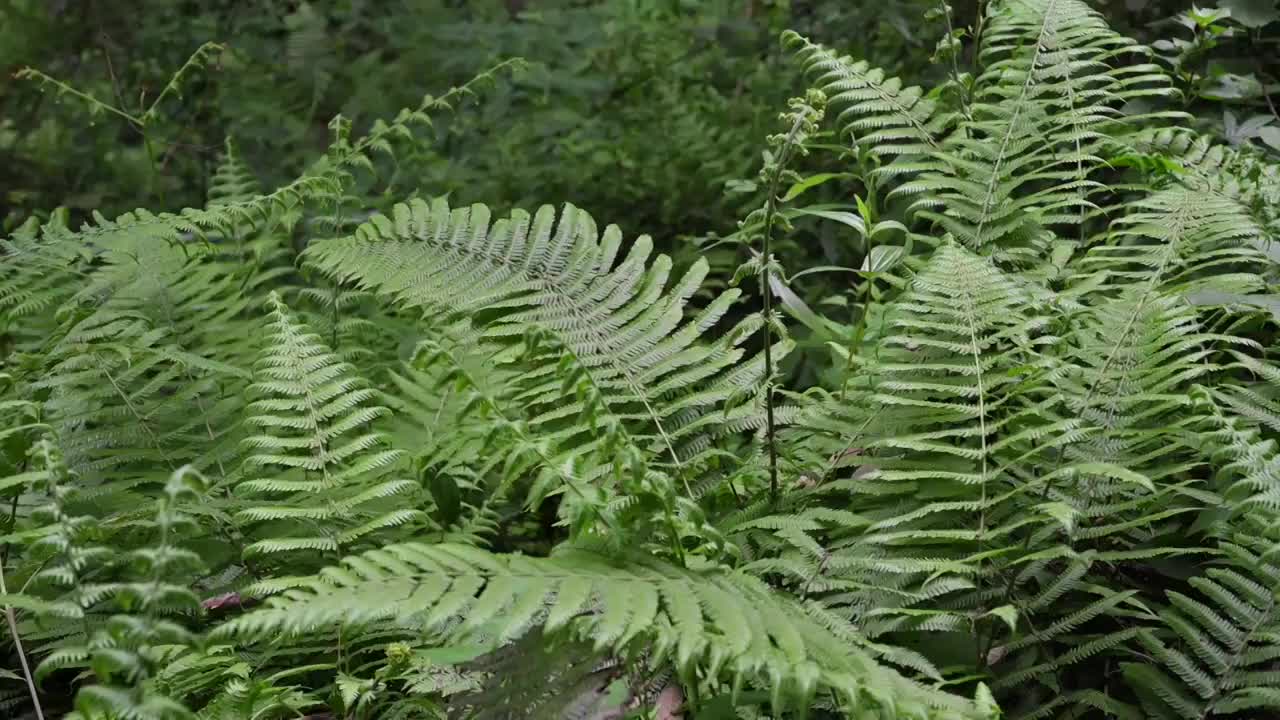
(672, 95)
(946, 388)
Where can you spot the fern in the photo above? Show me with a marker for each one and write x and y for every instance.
(931, 407)
(634, 385)
(875, 110)
(315, 461)
(627, 334)
(40, 272)
(126, 654)
(687, 616)
(1204, 166)
(1173, 238)
(1218, 656)
(466, 466)
(232, 181)
(63, 584)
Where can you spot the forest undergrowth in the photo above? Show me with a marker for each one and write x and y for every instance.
(973, 413)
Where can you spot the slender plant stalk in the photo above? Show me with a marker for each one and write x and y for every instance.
(22, 654)
(979, 24)
(771, 430)
(766, 291)
(955, 61)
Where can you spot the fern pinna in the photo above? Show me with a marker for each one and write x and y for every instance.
(327, 449)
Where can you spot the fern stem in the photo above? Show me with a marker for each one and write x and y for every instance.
(766, 291)
(1019, 105)
(955, 63)
(142, 421)
(196, 60)
(338, 209)
(979, 24)
(22, 655)
(982, 429)
(95, 105)
(771, 429)
(156, 185)
(13, 516)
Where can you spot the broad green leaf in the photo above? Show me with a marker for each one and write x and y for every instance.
(844, 217)
(796, 307)
(882, 258)
(810, 182)
(1007, 613)
(1271, 136)
(1230, 86)
(1252, 13)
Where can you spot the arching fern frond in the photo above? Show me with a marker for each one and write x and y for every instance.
(623, 327)
(876, 111)
(1022, 161)
(717, 622)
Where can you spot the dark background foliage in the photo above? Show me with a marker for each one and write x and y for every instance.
(640, 111)
(637, 110)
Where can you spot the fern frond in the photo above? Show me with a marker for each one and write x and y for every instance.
(1129, 365)
(876, 111)
(623, 328)
(232, 181)
(327, 469)
(1217, 655)
(717, 621)
(1180, 240)
(42, 268)
(1235, 173)
(1045, 61)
